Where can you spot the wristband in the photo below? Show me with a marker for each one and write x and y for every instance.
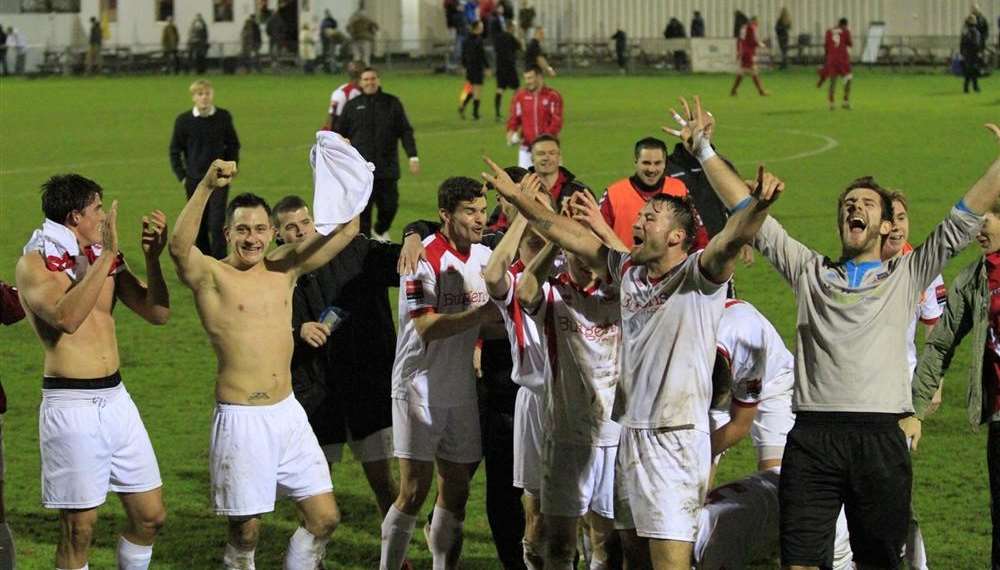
(742, 205)
(414, 159)
(705, 153)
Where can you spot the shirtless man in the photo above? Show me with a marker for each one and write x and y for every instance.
(262, 446)
(91, 436)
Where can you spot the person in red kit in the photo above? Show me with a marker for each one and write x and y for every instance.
(535, 110)
(838, 62)
(11, 312)
(746, 48)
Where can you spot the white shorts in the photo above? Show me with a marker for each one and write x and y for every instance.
(661, 477)
(423, 433)
(376, 446)
(528, 437)
(739, 523)
(578, 479)
(261, 453)
(524, 157)
(92, 442)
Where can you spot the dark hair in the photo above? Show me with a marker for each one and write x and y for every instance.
(567, 191)
(458, 189)
(246, 200)
(543, 138)
(367, 69)
(289, 203)
(534, 68)
(898, 196)
(869, 183)
(650, 143)
(683, 212)
(516, 174)
(65, 193)
(842, 22)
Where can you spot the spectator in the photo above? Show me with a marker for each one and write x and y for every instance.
(982, 25)
(3, 52)
(375, 122)
(782, 28)
(307, 47)
(497, 22)
(526, 18)
(739, 20)
(327, 33)
(471, 11)
(455, 19)
(486, 8)
(250, 42)
(170, 40)
(970, 49)
(17, 40)
(621, 47)
(198, 43)
(674, 29)
(200, 136)
(94, 59)
(362, 31)
(275, 29)
(697, 25)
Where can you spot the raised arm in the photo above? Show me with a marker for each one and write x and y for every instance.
(985, 192)
(46, 297)
(584, 209)
(151, 300)
(315, 251)
(529, 285)
(192, 265)
(495, 274)
(719, 259)
(568, 234)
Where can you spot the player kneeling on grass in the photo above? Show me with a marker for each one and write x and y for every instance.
(673, 301)
(579, 313)
(262, 445)
(91, 436)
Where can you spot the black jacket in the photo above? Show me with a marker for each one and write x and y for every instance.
(686, 168)
(474, 54)
(375, 124)
(197, 141)
(347, 382)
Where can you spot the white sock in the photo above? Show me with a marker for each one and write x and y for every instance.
(305, 550)
(236, 559)
(916, 554)
(85, 567)
(397, 528)
(446, 530)
(133, 556)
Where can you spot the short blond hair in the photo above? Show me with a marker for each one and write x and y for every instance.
(199, 85)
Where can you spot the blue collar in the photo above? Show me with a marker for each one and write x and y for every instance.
(856, 271)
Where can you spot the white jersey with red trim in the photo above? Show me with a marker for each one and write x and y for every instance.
(527, 347)
(341, 96)
(439, 373)
(929, 310)
(668, 330)
(761, 365)
(582, 329)
(739, 523)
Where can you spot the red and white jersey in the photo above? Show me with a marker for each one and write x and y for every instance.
(837, 45)
(439, 373)
(761, 365)
(535, 113)
(527, 347)
(669, 328)
(582, 329)
(739, 523)
(341, 96)
(929, 310)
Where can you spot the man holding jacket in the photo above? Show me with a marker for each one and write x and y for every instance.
(375, 123)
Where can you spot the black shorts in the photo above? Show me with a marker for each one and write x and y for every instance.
(860, 461)
(474, 76)
(507, 79)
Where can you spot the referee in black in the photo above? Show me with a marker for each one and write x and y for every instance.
(202, 135)
(476, 64)
(506, 46)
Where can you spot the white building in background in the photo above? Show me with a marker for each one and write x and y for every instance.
(411, 27)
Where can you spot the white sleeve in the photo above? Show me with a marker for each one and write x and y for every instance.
(931, 308)
(337, 101)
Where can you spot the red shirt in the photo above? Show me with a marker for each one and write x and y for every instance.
(838, 40)
(535, 113)
(991, 356)
(748, 39)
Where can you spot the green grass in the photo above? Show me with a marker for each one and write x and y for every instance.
(917, 133)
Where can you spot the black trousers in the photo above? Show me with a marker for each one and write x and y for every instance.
(211, 240)
(385, 195)
(993, 465)
(503, 499)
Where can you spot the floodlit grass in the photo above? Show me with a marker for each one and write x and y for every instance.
(914, 132)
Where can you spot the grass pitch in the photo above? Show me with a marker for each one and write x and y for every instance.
(914, 132)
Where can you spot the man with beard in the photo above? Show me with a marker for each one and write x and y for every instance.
(852, 383)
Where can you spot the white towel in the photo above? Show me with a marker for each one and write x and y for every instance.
(62, 252)
(342, 181)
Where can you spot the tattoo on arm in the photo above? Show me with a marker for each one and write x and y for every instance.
(258, 396)
(543, 224)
